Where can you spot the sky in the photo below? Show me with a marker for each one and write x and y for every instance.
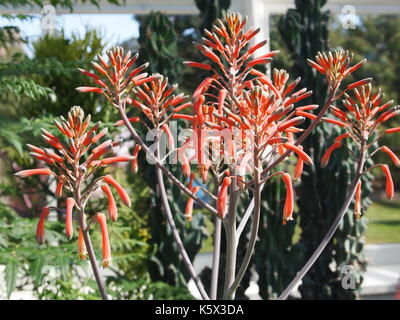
(115, 28)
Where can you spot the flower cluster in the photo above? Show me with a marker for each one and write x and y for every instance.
(252, 118)
(121, 83)
(336, 66)
(362, 115)
(74, 164)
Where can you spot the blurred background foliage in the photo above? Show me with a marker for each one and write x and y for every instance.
(34, 90)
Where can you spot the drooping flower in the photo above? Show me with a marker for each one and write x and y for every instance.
(222, 197)
(189, 205)
(121, 191)
(105, 241)
(68, 217)
(289, 201)
(357, 205)
(112, 207)
(81, 246)
(40, 236)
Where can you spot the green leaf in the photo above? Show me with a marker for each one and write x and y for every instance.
(11, 276)
(36, 270)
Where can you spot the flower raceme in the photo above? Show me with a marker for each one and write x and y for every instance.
(115, 79)
(336, 67)
(74, 165)
(362, 117)
(252, 117)
(152, 96)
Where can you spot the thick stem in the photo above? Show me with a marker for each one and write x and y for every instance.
(254, 228)
(230, 231)
(93, 263)
(174, 229)
(217, 246)
(177, 238)
(216, 258)
(86, 236)
(300, 275)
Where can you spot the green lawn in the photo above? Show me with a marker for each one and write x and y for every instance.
(383, 224)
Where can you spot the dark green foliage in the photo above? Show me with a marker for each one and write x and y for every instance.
(158, 43)
(322, 192)
(210, 10)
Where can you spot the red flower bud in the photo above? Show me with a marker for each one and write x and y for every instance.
(121, 122)
(121, 191)
(298, 171)
(40, 236)
(112, 207)
(357, 205)
(223, 197)
(134, 163)
(81, 246)
(90, 89)
(116, 159)
(197, 65)
(358, 83)
(167, 131)
(189, 205)
(105, 241)
(59, 187)
(70, 203)
(392, 155)
(289, 202)
(300, 153)
(31, 172)
(100, 135)
(389, 181)
(325, 158)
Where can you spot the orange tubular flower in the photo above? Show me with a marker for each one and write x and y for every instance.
(40, 237)
(289, 202)
(105, 241)
(327, 155)
(189, 205)
(107, 161)
(300, 153)
(357, 206)
(389, 181)
(112, 207)
(395, 159)
(81, 246)
(134, 163)
(70, 202)
(59, 187)
(222, 197)
(298, 171)
(121, 191)
(31, 172)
